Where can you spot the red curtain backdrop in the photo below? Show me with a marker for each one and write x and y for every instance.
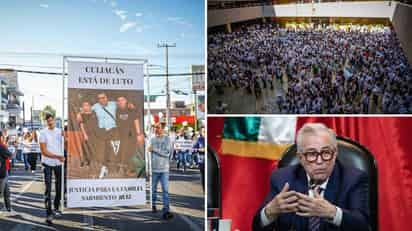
(390, 141)
(245, 181)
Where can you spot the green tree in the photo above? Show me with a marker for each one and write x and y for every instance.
(47, 110)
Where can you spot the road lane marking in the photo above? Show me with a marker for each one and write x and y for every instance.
(192, 225)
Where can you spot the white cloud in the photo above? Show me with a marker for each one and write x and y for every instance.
(122, 14)
(174, 19)
(113, 3)
(45, 6)
(139, 14)
(179, 20)
(127, 26)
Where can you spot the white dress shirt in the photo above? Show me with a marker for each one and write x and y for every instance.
(337, 219)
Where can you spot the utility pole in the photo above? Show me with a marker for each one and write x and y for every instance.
(31, 111)
(24, 116)
(166, 45)
(196, 127)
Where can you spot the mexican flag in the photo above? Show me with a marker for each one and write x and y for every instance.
(249, 149)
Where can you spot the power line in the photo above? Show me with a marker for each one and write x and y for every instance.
(59, 67)
(151, 75)
(19, 65)
(180, 55)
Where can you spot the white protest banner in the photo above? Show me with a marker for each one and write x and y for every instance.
(184, 144)
(93, 75)
(105, 192)
(106, 161)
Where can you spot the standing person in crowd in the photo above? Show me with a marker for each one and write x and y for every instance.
(13, 150)
(160, 149)
(19, 145)
(4, 187)
(26, 150)
(51, 145)
(199, 147)
(172, 136)
(34, 151)
(181, 153)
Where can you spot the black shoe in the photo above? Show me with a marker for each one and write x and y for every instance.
(167, 215)
(154, 209)
(49, 219)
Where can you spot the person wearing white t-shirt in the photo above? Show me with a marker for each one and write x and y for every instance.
(51, 146)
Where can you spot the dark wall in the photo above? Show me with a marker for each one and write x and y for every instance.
(402, 22)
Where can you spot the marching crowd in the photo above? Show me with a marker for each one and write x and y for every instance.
(23, 147)
(324, 69)
(27, 148)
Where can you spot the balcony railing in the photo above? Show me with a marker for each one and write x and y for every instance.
(216, 5)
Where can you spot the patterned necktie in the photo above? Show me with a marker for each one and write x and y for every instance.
(314, 222)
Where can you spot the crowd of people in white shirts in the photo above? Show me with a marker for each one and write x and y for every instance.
(323, 68)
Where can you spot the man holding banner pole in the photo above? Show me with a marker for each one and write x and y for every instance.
(160, 149)
(51, 146)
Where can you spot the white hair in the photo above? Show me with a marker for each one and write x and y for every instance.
(314, 128)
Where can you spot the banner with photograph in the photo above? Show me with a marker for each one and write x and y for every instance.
(106, 165)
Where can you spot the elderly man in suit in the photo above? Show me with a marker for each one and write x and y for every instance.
(319, 194)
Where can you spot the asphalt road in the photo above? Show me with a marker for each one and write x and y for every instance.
(186, 198)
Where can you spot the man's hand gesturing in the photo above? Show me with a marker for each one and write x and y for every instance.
(315, 206)
(285, 202)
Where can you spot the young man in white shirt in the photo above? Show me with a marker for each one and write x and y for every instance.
(51, 145)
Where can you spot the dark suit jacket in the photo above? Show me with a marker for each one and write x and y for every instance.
(347, 188)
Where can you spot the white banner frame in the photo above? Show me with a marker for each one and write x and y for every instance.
(145, 64)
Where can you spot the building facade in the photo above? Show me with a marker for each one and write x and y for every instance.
(11, 109)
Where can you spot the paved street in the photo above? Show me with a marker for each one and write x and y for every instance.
(186, 197)
(239, 101)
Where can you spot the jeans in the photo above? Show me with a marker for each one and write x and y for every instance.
(182, 155)
(26, 161)
(19, 155)
(195, 156)
(163, 177)
(5, 192)
(48, 174)
(189, 158)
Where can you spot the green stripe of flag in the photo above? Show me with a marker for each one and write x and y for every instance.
(242, 128)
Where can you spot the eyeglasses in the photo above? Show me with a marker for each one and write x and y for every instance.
(325, 154)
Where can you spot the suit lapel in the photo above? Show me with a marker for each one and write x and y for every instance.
(332, 190)
(333, 183)
(301, 185)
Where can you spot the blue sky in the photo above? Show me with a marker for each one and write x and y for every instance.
(36, 33)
